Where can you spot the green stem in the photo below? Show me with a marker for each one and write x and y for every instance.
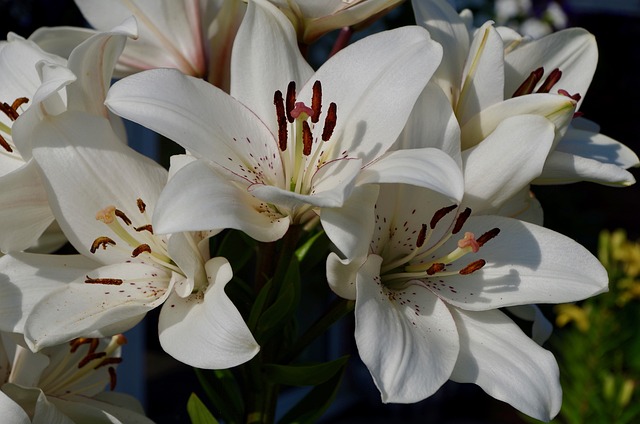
(338, 309)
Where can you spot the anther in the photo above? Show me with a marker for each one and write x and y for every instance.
(551, 80)
(462, 218)
(90, 357)
(291, 100)
(437, 267)
(316, 101)
(112, 378)
(575, 97)
(106, 281)
(487, 236)
(529, 83)
(440, 213)
(330, 122)
(307, 138)
(472, 267)
(19, 102)
(76, 343)
(422, 235)
(142, 207)
(108, 361)
(278, 101)
(11, 113)
(140, 249)
(122, 216)
(147, 227)
(101, 242)
(5, 145)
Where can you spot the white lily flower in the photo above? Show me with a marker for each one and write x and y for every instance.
(103, 195)
(431, 285)
(312, 19)
(269, 155)
(31, 79)
(488, 78)
(65, 384)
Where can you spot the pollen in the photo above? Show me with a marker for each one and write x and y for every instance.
(469, 240)
(106, 215)
(330, 122)
(472, 267)
(140, 249)
(101, 242)
(105, 281)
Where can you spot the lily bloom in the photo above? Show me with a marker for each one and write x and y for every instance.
(65, 384)
(288, 141)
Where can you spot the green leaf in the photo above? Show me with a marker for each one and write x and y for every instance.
(285, 304)
(313, 405)
(237, 248)
(304, 375)
(258, 306)
(224, 393)
(313, 251)
(198, 412)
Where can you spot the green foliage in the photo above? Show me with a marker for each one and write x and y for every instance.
(198, 412)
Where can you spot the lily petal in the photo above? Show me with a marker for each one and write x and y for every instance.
(421, 341)
(564, 168)
(497, 356)
(205, 330)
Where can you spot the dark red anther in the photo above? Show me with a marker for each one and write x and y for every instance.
(90, 357)
(141, 205)
(19, 102)
(140, 249)
(422, 235)
(76, 343)
(487, 236)
(330, 122)
(530, 83)
(460, 220)
(316, 101)
(101, 242)
(112, 378)
(106, 281)
(307, 139)
(575, 97)
(440, 213)
(108, 361)
(122, 216)
(437, 267)
(291, 100)
(11, 113)
(472, 267)
(147, 227)
(278, 101)
(5, 145)
(551, 80)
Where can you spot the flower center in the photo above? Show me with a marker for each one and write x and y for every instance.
(426, 258)
(11, 112)
(302, 154)
(138, 239)
(530, 83)
(74, 373)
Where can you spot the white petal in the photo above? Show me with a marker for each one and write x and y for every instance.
(27, 278)
(525, 264)
(265, 58)
(24, 208)
(428, 168)
(341, 275)
(541, 327)
(564, 168)
(506, 162)
(87, 168)
(60, 41)
(197, 198)
(35, 401)
(374, 82)
(497, 356)
(407, 339)
(523, 206)
(350, 226)
(97, 410)
(12, 412)
(104, 309)
(206, 330)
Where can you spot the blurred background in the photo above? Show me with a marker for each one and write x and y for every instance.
(598, 348)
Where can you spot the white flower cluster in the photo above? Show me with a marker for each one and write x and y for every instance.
(413, 149)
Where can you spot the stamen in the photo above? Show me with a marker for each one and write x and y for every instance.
(142, 207)
(330, 122)
(5, 145)
(278, 101)
(140, 249)
(469, 240)
(487, 236)
(19, 102)
(108, 361)
(122, 216)
(101, 242)
(90, 357)
(76, 343)
(147, 227)
(291, 100)
(422, 235)
(529, 83)
(106, 281)
(551, 80)
(316, 101)
(11, 113)
(307, 139)
(462, 218)
(440, 213)
(437, 267)
(575, 97)
(472, 267)
(112, 378)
